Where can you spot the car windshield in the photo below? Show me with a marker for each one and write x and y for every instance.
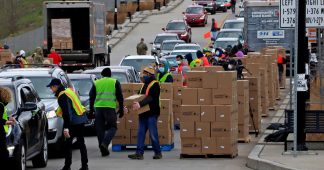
(137, 63)
(11, 106)
(169, 45)
(230, 34)
(160, 39)
(176, 26)
(40, 84)
(194, 55)
(183, 47)
(233, 25)
(83, 86)
(172, 61)
(120, 76)
(224, 44)
(194, 10)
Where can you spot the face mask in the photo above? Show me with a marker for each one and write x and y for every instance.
(178, 62)
(230, 67)
(161, 69)
(217, 53)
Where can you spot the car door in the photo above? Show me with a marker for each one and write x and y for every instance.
(31, 119)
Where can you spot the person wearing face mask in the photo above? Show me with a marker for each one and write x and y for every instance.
(148, 120)
(182, 66)
(163, 75)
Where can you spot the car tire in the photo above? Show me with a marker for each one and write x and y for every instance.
(19, 160)
(40, 161)
(213, 11)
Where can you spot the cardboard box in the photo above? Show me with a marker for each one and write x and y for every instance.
(165, 136)
(128, 102)
(121, 123)
(224, 113)
(69, 45)
(189, 96)
(164, 121)
(210, 80)
(190, 113)
(254, 83)
(176, 118)
(208, 145)
(198, 69)
(137, 87)
(221, 129)
(190, 145)
(223, 97)
(213, 69)
(127, 89)
(202, 129)
(177, 93)
(131, 121)
(242, 87)
(63, 45)
(176, 106)
(204, 96)
(225, 146)
(133, 137)
(194, 78)
(122, 136)
(243, 131)
(208, 113)
(61, 28)
(187, 129)
(177, 80)
(165, 106)
(166, 91)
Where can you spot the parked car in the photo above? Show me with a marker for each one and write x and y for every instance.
(41, 77)
(172, 61)
(231, 33)
(139, 61)
(27, 139)
(225, 42)
(234, 24)
(156, 45)
(179, 27)
(187, 46)
(168, 45)
(209, 5)
(82, 84)
(195, 15)
(124, 74)
(221, 5)
(228, 4)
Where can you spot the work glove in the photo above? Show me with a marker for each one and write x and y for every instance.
(120, 113)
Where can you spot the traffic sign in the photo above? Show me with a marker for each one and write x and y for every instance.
(314, 13)
(301, 83)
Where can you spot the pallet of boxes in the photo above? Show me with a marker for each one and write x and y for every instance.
(126, 135)
(177, 101)
(61, 34)
(5, 57)
(209, 114)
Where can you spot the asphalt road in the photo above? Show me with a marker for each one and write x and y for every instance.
(171, 160)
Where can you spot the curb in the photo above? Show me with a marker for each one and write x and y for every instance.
(138, 17)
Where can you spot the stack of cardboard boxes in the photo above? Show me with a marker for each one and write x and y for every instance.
(243, 97)
(61, 34)
(209, 114)
(128, 125)
(5, 56)
(176, 103)
(255, 104)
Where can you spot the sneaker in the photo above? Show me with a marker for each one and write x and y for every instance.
(136, 156)
(157, 156)
(104, 150)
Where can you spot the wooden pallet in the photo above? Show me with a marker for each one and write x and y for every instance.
(272, 108)
(264, 115)
(254, 131)
(118, 148)
(247, 139)
(182, 156)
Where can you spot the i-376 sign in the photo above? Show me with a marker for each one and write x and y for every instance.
(314, 13)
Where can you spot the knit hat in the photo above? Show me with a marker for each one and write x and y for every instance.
(106, 72)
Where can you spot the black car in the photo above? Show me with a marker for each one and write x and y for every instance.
(40, 76)
(82, 84)
(220, 5)
(27, 139)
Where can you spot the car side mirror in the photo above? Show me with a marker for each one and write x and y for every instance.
(29, 106)
(163, 29)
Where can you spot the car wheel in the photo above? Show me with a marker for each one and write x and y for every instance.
(40, 161)
(19, 161)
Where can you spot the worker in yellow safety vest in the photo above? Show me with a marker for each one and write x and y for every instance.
(74, 117)
(104, 95)
(163, 75)
(5, 122)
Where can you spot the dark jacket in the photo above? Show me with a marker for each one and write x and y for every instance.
(2, 121)
(69, 115)
(153, 100)
(119, 96)
(169, 78)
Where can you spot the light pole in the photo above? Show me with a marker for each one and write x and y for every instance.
(115, 17)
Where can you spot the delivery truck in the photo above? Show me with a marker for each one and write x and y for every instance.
(76, 29)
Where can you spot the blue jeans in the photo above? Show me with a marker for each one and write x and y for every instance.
(148, 123)
(214, 35)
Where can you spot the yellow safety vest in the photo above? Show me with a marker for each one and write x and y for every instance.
(163, 78)
(5, 117)
(106, 93)
(76, 103)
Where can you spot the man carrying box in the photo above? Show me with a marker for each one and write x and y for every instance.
(148, 120)
(103, 96)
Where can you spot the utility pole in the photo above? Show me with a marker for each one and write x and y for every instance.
(115, 17)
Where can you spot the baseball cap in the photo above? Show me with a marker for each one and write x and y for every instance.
(54, 82)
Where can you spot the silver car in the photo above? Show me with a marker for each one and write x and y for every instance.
(168, 45)
(156, 45)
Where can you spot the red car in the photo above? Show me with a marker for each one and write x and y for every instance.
(179, 27)
(195, 15)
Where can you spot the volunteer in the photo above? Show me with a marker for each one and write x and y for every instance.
(163, 75)
(73, 113)
(203, 58)
(148, 120)
(280, 63)
(103, 96)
